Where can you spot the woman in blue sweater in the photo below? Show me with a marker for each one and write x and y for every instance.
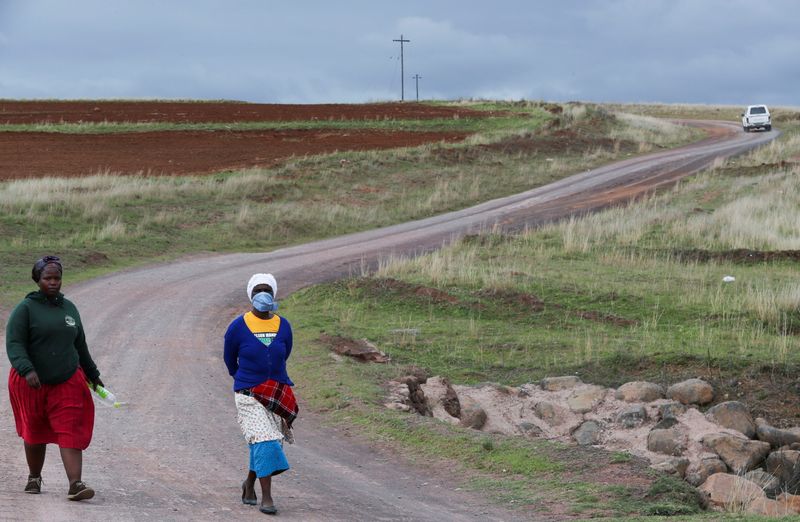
(257, 345)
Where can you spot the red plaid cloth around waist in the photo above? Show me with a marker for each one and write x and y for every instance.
(277, 397)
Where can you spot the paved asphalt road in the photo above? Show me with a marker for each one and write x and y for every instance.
(175, 451)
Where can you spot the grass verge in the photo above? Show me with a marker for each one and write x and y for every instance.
(530, 475)
(613, 297)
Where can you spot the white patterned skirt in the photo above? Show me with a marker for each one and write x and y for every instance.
(258, 424)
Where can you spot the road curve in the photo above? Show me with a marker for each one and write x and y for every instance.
(174, 452)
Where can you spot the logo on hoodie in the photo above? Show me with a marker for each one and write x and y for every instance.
(266, 337)
(69, 320)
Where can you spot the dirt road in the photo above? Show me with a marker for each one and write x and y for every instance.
(175, 451)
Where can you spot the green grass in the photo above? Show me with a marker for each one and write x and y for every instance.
(443, 125)
(592, 309)
(696, 111)
(604, 296)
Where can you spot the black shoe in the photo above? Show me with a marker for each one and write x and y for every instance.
(268, 510)
(34, 485)
(249, 501)
(79, 491)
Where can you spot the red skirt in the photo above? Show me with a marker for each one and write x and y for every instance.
(55, 413)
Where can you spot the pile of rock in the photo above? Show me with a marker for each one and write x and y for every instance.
(739, 462)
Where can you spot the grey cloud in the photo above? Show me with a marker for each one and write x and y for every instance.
(318, 51)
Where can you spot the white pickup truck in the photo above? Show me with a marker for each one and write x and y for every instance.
(756, 117)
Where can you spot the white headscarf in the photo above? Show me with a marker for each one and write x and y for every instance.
(262, 279)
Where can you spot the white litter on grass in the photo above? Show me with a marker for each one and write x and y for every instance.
(729, 279)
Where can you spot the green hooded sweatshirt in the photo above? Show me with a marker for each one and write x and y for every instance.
(48, 337)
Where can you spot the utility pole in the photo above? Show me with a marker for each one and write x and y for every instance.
(402, 74)
(417, 78)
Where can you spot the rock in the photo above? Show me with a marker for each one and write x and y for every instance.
(768, 482)
(708, 455)
(472, 415)
(672, 410)
(412, 332)
(441, 399)
(674, 466)
(415, 394)
(740, 454)
(405, 394)
(733, 415)
(793, 501)
(528, 389)
(560, 383)
(398, 397)
(691, 391)
(500, 388)
(552, 414)
(776, 437)
(768, 507)
(700, 470)
(587, 433)
(786, 466)
(529, 429)
(633, 416)
(639, 391)
(556, 415)
(666, 423)
(730, 492)
(395, 405)
(412, 380)
(585, 399)
(361, 350)
(669, 442)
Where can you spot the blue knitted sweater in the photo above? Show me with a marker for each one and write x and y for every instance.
(250, 362)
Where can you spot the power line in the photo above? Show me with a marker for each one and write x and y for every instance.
(393, 74)
(417, 78)
(402, 73)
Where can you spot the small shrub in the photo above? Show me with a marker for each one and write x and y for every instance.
(672, 496)
(621, 457)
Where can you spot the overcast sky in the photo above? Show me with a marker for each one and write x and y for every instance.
(319, 51)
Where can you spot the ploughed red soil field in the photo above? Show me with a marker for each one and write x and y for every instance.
(40, 154)
(199, 112)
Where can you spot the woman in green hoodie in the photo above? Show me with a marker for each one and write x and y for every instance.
(50, 366)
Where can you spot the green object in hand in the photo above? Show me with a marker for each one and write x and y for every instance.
(104, 395)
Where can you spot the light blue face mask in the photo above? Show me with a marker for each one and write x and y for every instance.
(264, 302)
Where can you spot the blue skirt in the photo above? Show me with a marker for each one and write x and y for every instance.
(267, 458)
